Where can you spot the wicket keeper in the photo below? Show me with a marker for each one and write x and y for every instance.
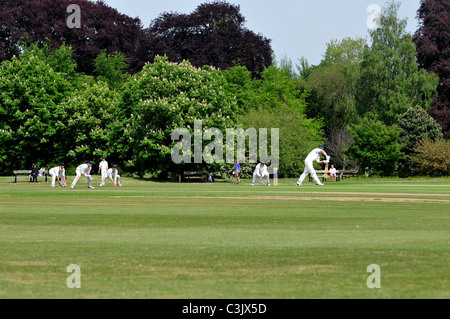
(261, 171)
(58, 173)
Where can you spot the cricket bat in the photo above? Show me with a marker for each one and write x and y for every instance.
(325, 175)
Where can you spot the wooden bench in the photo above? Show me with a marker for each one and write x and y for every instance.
(346, 173)
(26, 173)
(195, 175)
(343, 173)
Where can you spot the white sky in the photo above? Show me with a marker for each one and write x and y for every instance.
(296, 27)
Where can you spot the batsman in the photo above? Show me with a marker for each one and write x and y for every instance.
(314, 155)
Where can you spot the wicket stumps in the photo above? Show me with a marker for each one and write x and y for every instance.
(275, 176)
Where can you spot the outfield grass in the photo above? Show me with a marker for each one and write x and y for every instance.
(221, 240)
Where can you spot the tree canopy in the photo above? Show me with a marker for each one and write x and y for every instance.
(102, 28)
(390, 81)
(433, 47)
(214, 34)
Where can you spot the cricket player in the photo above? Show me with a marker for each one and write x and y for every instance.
(114, 176)
(58, 173)
(85, 170)
(103, 167)
(261, 171)
(314, 155)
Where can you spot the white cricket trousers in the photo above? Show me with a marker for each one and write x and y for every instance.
(75, 181)
(104, 176)
(53, 175)
(264, 177)
(309, 169)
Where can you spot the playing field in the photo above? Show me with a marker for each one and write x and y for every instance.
(221, 240)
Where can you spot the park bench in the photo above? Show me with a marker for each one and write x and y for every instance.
(26, 173)
(340, 174)
(346, 173)
(195, 175)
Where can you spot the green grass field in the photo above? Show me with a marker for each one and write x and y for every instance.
(222, 240)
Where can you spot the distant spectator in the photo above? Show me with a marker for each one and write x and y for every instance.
(332, 173)
(34, 173)
(42, 171)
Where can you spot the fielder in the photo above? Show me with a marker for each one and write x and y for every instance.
(58, 173)
(114, 176)
(83, 169)
(261, 171)
(103, 166)
(314, 155)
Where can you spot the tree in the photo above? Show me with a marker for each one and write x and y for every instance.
(432, 157)
(163, 97)
(31, 91)
(214, 34)
(85, 121)
(376, 146)
(333, 84)
(109, 68)
(304, 68)
(433, 47)
(278, 104)
(346, 52)
(286, 65)
(331, 98)
(339, 140)
(390, 82)
(241, 85)
(102, 27)
(416, 125)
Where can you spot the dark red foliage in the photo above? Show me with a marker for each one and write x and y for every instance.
(433, 47)
(214, 34)
(102, 27)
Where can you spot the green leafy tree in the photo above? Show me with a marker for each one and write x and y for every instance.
(85, 121)
(31, 91)
(390, 81)
(416, 125)
(376, 146)
(279, 104)
(287, 66)
(304, 68)
(346, 52)
(333, 84)
(241, 85)
(61, 59)
(331, 99)
(163, 97)
(110, 68)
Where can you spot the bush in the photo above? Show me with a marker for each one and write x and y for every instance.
(433, 157)
(376, 147)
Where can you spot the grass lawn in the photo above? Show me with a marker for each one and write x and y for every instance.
(222, 240)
